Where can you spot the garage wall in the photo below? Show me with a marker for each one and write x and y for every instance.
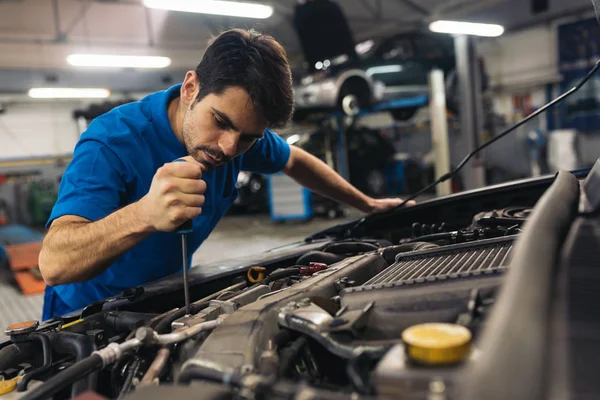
(523, 59)
(36, 129)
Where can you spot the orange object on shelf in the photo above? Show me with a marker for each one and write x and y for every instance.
(23, 261)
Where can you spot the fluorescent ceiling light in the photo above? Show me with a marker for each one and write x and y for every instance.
(384, 69)
(365, 46)
(216, 7)
(114, 61)
(68, 93)
(293, 139)
(466, 28)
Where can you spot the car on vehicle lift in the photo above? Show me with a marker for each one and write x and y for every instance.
(389, 69)
(343, 76)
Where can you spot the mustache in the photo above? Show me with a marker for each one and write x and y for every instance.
(217, 154)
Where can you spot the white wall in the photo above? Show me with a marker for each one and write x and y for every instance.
(33, 128)
(521, 60)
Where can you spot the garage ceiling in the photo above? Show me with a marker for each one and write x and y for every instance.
(37, 35)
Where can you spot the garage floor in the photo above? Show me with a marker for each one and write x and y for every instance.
(243, 235)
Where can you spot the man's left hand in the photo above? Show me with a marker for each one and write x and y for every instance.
(379, 205)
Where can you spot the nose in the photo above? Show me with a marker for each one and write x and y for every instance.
(228, 143)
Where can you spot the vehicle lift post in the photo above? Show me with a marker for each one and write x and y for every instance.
(471, 110)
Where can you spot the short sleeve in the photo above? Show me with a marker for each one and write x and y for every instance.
(269, 155)
(92, 185)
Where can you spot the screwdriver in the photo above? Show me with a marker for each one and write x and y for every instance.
(183, 230)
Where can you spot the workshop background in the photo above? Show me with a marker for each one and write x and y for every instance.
(363, 84)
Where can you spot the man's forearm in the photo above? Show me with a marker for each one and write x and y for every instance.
(317, 176)
(75, 249)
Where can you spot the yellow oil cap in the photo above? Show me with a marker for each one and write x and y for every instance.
(9, 385)
(437, 343)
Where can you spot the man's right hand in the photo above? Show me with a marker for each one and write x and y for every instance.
(175, 196)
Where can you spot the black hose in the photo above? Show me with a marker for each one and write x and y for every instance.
(434, 237)
(350, 248)
(282, 337)
(165, 324)
(197, 372)
(131, 372)
(320, 257)
(64, 378)
(47, 352)
(125, 321)
(80, 346)
(289, 355)
(390, 253)
(16, 353)
(284, 273)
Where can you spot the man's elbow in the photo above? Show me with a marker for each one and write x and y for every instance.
(50, 269)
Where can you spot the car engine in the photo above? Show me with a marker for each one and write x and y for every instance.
(400, 308)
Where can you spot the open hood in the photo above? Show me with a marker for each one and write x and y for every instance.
(323, 32)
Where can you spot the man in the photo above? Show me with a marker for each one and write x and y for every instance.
(122, 197)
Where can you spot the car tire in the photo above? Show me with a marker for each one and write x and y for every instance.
(355, 95)
(404, 114)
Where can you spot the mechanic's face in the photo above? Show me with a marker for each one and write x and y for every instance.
(220, 126)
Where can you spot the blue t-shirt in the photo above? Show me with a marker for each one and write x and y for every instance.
(113, 166)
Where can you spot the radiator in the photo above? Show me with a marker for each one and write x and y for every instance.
(449, 262)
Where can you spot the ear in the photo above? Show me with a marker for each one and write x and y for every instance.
(189, 88)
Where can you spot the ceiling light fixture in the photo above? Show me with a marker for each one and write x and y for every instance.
(68, 93)
(117, 61)
(293, 139)
(216, 7)
(466, 28)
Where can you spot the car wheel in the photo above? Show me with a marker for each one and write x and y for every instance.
(355, 95)
(404, 114)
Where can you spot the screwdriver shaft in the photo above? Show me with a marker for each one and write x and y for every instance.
(186, 288)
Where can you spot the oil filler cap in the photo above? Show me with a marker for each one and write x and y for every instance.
(21, 328)
(437, 343)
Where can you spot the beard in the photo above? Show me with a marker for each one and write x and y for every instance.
(198, 151)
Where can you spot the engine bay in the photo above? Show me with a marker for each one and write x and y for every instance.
(401, 314)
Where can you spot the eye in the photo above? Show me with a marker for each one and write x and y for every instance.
(220, 123)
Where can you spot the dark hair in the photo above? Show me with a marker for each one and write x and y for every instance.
(255, 62)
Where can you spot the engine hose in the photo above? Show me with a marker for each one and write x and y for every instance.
(80, 346)
(434, 237)
(66, 377)
(200, 372)
(157, 366)
(320, 257)
(131, 372)
(342, 350)
(285, 273)
(390, 253)
(165, 324)
(14, 354)
(350, 248)
(125, 321)
(289, 355)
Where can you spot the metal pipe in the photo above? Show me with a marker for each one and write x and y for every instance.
(186, 284)
(170, 338)
(157, 366)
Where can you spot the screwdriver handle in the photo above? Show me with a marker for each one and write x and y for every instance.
(187, 225)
